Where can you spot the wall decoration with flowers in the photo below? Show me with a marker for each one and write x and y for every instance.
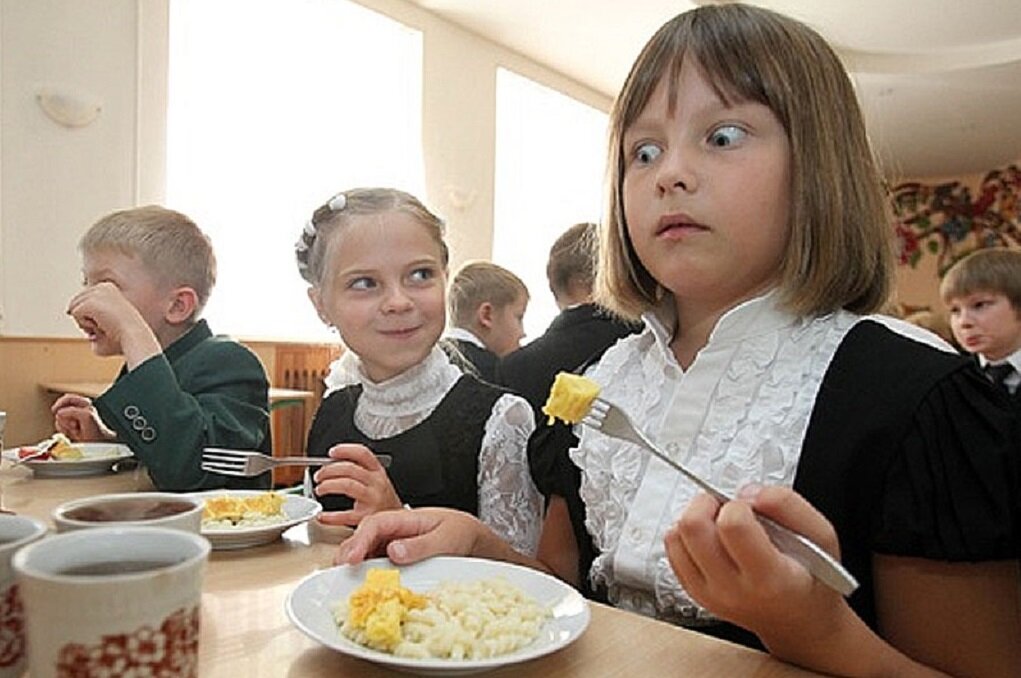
(945, 221)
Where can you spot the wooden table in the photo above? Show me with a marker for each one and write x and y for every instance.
(245, 631)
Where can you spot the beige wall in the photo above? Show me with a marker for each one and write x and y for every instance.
(55, 181)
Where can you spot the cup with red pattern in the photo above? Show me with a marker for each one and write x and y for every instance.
(15, 532)
(113, 601)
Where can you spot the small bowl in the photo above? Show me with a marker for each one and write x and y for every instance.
(145, 509)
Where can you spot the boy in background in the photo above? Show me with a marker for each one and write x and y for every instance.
(580, 333)
(487, 309)
(982, 293)
(148, 273)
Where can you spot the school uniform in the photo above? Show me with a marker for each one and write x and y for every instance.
(1005, 375)
(202, 390)
(454, 440)
(898, 441)
(475, 352)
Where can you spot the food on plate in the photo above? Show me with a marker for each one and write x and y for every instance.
(377, 609)
(455, 620)
(59, 447)
(252, 510)
(570, 398)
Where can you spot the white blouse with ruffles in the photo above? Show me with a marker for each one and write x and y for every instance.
(737, 415)
(509, 502)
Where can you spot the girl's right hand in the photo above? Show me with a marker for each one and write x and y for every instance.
(410, 535)
(358, 474)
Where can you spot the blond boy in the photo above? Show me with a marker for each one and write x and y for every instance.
(148, 273)
(487, 309)
(982, 293)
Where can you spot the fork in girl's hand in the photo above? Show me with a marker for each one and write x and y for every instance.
(606, 417)
(250, 463)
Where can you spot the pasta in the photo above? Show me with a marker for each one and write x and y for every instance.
(473, 620)
(570, 398)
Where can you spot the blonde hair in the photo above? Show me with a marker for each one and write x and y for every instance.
(839, 253)
(987, 270)
(313, 244)
(173, 249)
(479, 282)
(572, 259)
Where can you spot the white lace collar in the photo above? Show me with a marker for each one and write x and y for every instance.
(422, 386)
(390, 407)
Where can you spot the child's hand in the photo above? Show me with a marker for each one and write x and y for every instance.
(410, 536)
(75, 417)
(723, 558)
(359, 475)
(111, 321)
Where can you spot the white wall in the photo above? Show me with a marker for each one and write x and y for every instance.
(55, 181)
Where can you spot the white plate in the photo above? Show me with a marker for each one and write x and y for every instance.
(298, 509)
(310, 607)
(98, 458)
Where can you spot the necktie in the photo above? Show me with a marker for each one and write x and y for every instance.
(998, 374)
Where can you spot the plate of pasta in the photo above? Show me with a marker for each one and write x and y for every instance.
(443, 616)
(238, 519)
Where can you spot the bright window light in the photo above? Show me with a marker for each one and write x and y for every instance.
(550, 159)
(273, 107)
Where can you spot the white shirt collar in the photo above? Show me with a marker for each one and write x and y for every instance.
(758, 315)
(464, 335)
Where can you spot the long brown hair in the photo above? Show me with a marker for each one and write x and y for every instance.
(840, 252)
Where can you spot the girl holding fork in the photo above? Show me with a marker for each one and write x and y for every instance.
(746, 227)
(376, 263)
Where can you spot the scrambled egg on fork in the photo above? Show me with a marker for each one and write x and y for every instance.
(379, 606)
(570, 398)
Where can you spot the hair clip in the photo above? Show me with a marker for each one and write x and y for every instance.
(310, 229)
(337, 202)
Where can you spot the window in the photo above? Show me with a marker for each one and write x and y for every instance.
(550, 159)
(273, 107)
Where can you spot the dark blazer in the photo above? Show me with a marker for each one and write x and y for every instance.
(573, 337)
(202, 390)
(483, 360)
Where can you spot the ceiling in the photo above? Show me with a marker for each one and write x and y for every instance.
(939, 80)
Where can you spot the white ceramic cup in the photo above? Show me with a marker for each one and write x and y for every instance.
(113, 601)
(15, 532)
(143, 509)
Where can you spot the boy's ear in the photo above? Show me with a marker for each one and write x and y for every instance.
(317, 300)
(184, 301)
(484, 315)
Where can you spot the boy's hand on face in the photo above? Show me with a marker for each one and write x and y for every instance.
(75, 417)
(106, 315)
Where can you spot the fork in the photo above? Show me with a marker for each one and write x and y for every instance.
(608, 418)
(250, 463)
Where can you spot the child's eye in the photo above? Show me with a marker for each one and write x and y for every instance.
(726, 135)
(422, 274)
(362, 283)
(647, 152)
